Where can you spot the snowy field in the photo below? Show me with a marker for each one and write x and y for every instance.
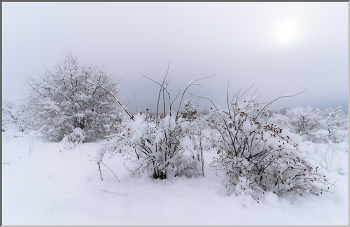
(46, 184)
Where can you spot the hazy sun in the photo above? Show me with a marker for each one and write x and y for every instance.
(286, 32)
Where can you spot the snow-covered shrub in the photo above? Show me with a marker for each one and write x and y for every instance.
(318, 126)
(190, 110)
(15, 117)
(73, 96)
(160, 147)
(303, 120)
(76, 137)
(161, 144)
(201, 138)
(335, 121)
(256, 155)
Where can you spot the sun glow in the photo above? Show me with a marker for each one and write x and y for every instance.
(286, 32)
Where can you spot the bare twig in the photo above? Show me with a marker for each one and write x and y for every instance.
(333, 183)
(160, 90)
(52, 206)
(113, 192)
(111, 171)
(183, 94)
(130, 100)
(99, 168)
(80, 150)
(285, 96)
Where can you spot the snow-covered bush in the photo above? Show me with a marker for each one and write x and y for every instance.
(256, 155)
(159, 147)
(303, 120)
(191, 110)
(318, 126)
(161, 144)
(73, 96)
(15, 117)
(335, 121)
(76, 137)
(201, 137)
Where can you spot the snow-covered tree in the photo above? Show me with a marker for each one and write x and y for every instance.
(73, 96)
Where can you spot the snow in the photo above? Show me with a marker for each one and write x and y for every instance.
(46, 184)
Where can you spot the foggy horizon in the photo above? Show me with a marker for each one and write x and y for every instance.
(281, 48)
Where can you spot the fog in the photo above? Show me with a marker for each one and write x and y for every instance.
(281, 48)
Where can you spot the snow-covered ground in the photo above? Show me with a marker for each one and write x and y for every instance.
(46, 184)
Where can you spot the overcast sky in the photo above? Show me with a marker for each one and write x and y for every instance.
(282, 48)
